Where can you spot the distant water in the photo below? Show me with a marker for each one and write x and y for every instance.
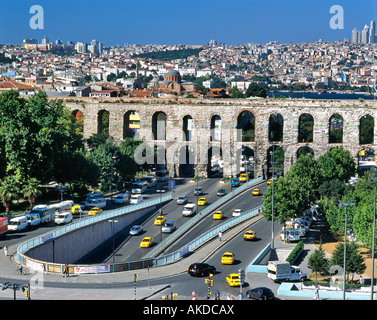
(326, 95)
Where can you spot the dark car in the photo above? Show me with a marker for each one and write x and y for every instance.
(198, 191)
(221, 192)
(260, 293)
(200, 269)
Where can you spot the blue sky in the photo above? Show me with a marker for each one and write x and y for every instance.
(183, 22)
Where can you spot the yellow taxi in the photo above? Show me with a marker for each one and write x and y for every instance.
(146, 242)
(227, 258)
(160, 220)
(249, 235)
(233, 279)
(243, 177)
(255, 192)
(76, 209)
(269, 181)
(202, 201)
(218, 215)
(94, 211)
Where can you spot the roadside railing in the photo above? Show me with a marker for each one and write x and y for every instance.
(171, 257)
(22, 248)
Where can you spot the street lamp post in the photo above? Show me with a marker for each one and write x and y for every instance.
(272, 195)
(345, 204)
(112, 231)
(373, 177)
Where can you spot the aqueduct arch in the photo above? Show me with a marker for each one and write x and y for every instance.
(168, 122)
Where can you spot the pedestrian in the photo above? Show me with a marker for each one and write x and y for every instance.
(220, 235)
(6, 250)
(228, 297)
(316, 297)
(217, 295)
(194, 295)
(206, 297)
(361, 280)
(240, 296)
(66, 271)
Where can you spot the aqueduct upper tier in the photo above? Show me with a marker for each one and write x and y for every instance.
(191, 131)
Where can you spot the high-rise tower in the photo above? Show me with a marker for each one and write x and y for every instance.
(372, 32)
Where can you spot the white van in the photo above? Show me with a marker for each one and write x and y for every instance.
(17, 224)
(99, 202)
(122, 198)
(136, 198)
(290, 234)
(33, 219)
(63, 217)
(189, 210)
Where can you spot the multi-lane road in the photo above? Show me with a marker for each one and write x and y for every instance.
(128, 246)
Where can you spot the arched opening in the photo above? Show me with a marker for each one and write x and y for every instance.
(215, 162)
(275, 161)
(246, 126)
(366, 130)
(187, 128)
(245, 161)
(79, 119)
(305, 128)
(160, 161)
(303, 151)
(215, 128)
(275, 127)
(336, 129)
(103, 122)
(186, 162)
(131, 124)
(159, 126)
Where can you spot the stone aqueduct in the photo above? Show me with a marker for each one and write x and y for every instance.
(201, 137)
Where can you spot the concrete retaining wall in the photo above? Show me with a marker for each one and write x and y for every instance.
(78, 243)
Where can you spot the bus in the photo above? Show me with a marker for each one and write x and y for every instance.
(139, 187)
(94, 195)
(46, 213)
(162, 175)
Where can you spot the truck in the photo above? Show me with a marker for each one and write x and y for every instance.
(291, 234)
(3, 226)
(279, 271)
(189, 210)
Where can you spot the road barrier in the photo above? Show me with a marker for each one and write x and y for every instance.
(58, 232)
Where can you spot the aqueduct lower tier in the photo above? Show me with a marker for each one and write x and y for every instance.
(190, 129)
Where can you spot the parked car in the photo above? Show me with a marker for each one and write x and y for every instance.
(200, 269)
(221, 192)
(260, 293)
(182, 200)
(135, 230)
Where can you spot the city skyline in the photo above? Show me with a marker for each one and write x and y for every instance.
(169, 22)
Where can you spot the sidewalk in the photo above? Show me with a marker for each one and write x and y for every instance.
(7, 267)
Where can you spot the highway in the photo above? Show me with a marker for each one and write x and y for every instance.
(128, 247)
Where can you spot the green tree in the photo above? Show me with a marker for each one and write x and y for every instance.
(31, 190)
(317, 261)
(256, 90)
(8, 191)
(354, 260)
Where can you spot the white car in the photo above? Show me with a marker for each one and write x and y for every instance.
(236, 212)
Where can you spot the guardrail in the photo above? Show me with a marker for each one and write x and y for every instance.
(192, 221)
(171, 257)
(22, 248)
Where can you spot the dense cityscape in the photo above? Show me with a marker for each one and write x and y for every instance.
(206, 171)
